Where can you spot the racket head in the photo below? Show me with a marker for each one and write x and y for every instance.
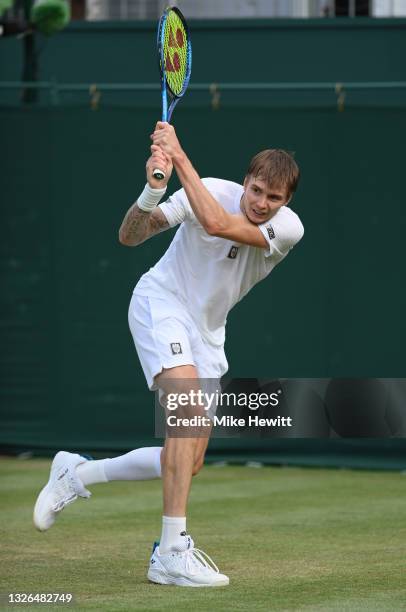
(174, 52)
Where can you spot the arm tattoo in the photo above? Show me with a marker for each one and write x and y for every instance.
(139, 225)
(157, 222)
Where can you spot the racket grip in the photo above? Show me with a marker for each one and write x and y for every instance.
(158, 174)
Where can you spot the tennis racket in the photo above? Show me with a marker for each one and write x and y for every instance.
(175, 63)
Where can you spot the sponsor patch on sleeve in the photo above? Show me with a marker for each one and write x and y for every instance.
(176, 348)
(270, 231)
(233, 252)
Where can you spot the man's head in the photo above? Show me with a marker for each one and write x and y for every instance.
(271, 180)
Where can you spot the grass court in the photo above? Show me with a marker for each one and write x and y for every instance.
(288, 538)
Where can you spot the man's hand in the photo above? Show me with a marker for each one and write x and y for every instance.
(163, 162)
(165, 137)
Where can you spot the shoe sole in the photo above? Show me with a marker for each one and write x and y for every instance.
(40, 499)
(44, 526)
(37, 511)
(158, 577)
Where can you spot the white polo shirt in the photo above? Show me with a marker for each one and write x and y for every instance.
(209, 275)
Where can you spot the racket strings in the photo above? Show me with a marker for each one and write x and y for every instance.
(175, 52)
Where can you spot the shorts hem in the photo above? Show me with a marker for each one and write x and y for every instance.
(165, 366)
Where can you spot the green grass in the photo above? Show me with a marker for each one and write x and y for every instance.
(289, 538)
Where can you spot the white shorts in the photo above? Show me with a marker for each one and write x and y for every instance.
(165, 336)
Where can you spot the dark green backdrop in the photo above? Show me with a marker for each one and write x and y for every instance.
(234, 50)
(335, 307)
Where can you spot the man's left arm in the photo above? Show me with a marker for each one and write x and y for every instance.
(215, 220)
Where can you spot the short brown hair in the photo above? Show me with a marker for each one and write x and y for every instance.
(277, 167)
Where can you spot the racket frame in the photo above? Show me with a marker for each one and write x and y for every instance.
(165, 87)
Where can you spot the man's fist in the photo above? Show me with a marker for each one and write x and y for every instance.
(158, 160)
(165, 137)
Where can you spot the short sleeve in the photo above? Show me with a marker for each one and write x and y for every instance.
(282, 232)
(177, 208)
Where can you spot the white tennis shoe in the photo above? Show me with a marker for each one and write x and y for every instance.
(185, 566)
(62, 488)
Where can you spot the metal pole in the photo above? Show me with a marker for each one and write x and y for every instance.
(30, 61)
(351, 8)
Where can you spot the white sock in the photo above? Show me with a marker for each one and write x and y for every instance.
(139, 464)
(91, 472)
(172, 527)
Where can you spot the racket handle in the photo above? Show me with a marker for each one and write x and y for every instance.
(158, 174)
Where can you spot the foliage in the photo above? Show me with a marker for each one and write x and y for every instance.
(50, 16)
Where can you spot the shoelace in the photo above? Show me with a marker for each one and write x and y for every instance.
(65, 489)
(196, 558)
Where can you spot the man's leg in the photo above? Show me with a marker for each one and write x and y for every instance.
(175, 560)
(71, 474)
(138, 464)
(182, 456)
(176, 455)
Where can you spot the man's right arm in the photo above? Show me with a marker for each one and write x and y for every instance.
(138, 225)
(143, 221)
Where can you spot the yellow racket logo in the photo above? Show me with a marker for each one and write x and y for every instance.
(175, 53)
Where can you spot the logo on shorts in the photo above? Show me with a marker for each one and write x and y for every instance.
(176, 348)
(270, 231)
(233, 252)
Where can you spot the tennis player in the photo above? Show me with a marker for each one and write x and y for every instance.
(231, 236)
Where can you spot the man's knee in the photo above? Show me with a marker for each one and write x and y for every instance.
(168, 465)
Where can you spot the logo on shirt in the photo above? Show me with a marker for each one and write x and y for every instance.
(270, 231)
(176, 348)
(233, 252)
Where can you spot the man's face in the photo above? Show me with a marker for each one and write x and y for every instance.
(260, 202)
